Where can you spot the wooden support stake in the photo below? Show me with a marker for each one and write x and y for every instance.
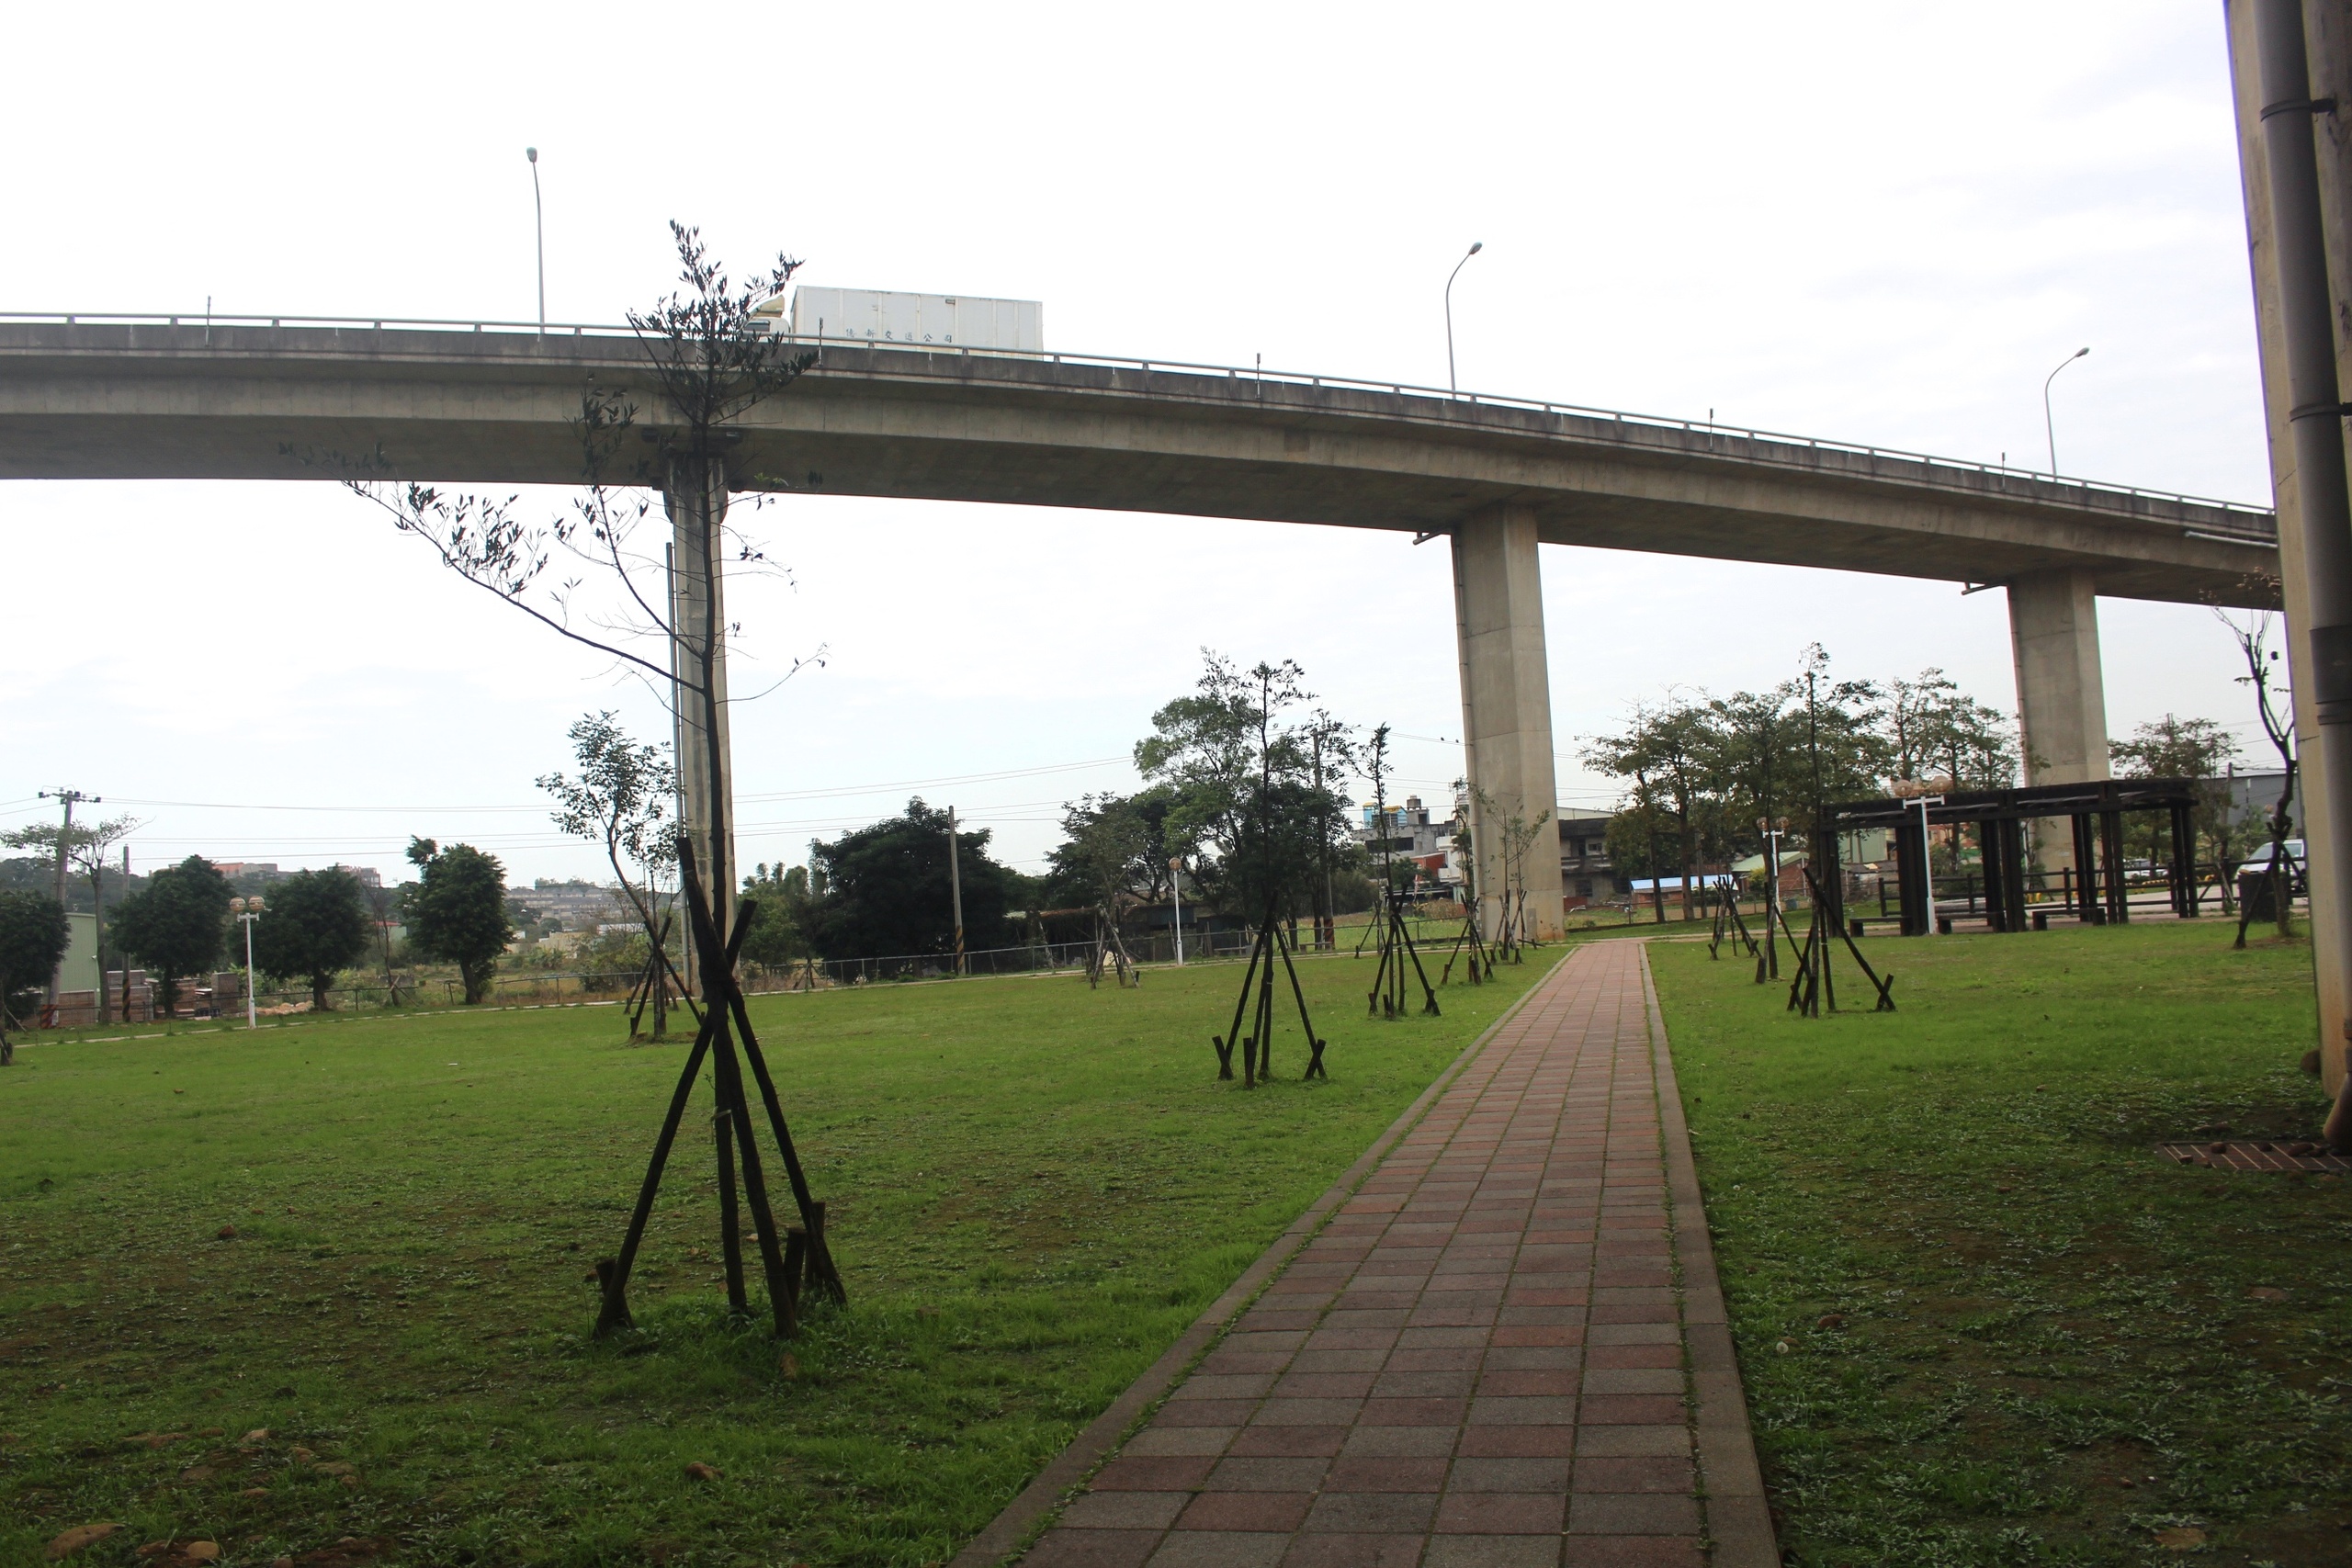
(730, 1231)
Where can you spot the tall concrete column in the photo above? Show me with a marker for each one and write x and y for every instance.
(695, 498)
(1506, 710)
(2061, 698)
(2328, 38)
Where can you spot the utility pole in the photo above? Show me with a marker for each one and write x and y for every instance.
(1176, 890)
(956, 888)
(70, 798)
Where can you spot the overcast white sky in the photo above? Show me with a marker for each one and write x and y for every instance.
(1874, 223)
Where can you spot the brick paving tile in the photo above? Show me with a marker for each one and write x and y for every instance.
(1251, 1511)
(1220, 1549)
(1633, 1551)
(1500, 1513)
(1510, 1472)
(1130, 1511)
(1601, 1472)
(1478, 1362)
(1338, 1550)
(1304, 1442)
(1093, 1548)
(1632, 1513)
(1289, 1473)
(1493, 1551)
(1366, 1473)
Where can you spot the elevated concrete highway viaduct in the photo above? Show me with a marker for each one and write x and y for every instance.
(155, 398)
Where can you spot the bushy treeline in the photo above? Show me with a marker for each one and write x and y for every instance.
(1704, 775)
(1243, 806)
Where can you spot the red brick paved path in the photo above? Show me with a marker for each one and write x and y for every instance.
(1481, 1359)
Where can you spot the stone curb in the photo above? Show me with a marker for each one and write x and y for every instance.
(1043, 1497)
(1738, 1520)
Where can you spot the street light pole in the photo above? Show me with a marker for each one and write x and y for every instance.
(1475, 247)
(1176, 891)
(1926, 849)
(540, 225)
(247, 911)
(956, 889)
(2049, 427)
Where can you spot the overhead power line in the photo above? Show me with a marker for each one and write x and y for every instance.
(542, 806)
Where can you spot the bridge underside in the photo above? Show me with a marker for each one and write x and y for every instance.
(153, 402)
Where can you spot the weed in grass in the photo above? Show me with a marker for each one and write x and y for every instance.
(2017, 1334)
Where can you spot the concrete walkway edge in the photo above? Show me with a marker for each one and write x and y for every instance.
(1010, 1530)
(1739, 1523)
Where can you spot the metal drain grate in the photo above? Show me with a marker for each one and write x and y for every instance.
(2246, 1156)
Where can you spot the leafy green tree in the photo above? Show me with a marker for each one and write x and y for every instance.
(780, 923)
(1115, 852)
(177, 925)
(34, 934)
(455, 911)
(2177, 747)
(1252, 814)
(316, 926)
(621, 800)
(885, 889)
(1665, 751)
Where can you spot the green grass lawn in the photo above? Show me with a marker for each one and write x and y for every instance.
(1034, 1187)
(1980, 1320)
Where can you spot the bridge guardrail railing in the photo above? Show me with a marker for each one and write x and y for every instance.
(2258, 526)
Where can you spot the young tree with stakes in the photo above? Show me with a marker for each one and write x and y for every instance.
(620, 800)
(2269, 695)
(1387, 998)
(709, 361)
(1243, 783)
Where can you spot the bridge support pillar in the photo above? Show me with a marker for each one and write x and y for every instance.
(1507, 716)
(695, 498)
(2062, 696)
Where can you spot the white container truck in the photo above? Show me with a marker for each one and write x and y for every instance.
(936, 321)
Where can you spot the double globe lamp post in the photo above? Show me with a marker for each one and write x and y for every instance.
(247, 911)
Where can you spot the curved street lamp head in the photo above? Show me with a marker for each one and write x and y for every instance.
(2049, 426)
(1451, 385)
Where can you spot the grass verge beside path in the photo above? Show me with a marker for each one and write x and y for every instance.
(1980, 1319)
(1033, 1188)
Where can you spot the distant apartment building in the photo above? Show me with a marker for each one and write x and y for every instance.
(261, 874)
(576, 905)
(1585, 876)
(1412, 832)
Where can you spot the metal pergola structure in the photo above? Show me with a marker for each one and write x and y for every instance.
(2096, 807)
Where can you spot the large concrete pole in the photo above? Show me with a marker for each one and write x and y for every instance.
(696, 500)
(1507, 708)
(2062, 696)
(2327, 36)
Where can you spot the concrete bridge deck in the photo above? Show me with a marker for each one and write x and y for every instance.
(162, 399)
